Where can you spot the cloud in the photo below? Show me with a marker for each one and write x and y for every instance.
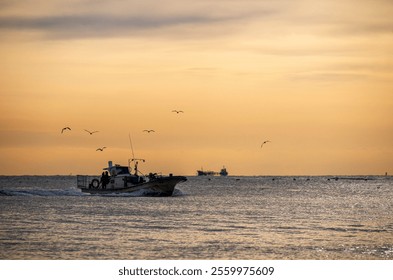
(346, 18)
(106, 26)
(199, 19)
(363, 28)
(329, 77)
(132, 21)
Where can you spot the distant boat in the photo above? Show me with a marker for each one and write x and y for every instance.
(223, 172)
(122, 181)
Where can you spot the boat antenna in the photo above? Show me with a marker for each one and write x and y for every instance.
(136, 160)
(132, 149)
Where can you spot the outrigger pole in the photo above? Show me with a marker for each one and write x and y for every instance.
(136, 160)
(132, 149)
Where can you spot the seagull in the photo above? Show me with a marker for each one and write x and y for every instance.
(91, 132)
(149, 130)
(177, 112)
(65, 128)
(100, 149)
(264, 142)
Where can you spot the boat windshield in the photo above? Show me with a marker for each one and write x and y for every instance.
(122, 170)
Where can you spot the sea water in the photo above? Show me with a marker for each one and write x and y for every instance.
(47, 217)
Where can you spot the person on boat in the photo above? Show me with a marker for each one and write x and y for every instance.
(104, 179)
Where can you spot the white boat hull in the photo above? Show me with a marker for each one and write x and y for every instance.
(160, 186)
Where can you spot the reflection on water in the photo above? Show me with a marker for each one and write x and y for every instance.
(220, 218)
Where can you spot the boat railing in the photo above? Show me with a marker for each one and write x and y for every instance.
(84, 181)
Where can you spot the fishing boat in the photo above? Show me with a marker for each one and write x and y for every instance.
(119, 179)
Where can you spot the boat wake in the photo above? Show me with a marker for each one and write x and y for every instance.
(40, 192)
(140, 193)
(178, 192)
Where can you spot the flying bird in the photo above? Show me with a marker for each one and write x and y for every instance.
(91, 132)
(100, 149)
(65, 128)
(177, 111)
(264, 142)
(149, 130)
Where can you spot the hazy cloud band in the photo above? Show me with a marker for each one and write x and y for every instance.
(113, 25)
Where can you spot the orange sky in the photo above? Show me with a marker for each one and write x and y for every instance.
(313, 77)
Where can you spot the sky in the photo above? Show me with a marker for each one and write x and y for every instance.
(312, 77)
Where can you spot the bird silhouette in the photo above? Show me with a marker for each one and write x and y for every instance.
(264, 142)
(65, 128)
(148, 130)
(100, 149)
(91, 132)
(177, 111)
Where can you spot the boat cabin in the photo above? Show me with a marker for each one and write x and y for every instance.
(117, 170)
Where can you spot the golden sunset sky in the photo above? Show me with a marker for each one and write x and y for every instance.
(315, 77)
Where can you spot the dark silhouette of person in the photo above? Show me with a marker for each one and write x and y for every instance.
(104, 179)
(107, 177)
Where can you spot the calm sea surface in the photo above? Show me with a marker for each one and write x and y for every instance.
(46, 217)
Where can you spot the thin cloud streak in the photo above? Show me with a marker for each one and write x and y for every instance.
(329, 77)
(104, 25)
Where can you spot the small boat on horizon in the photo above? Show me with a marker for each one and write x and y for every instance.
(120, 180)
(223, 171)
